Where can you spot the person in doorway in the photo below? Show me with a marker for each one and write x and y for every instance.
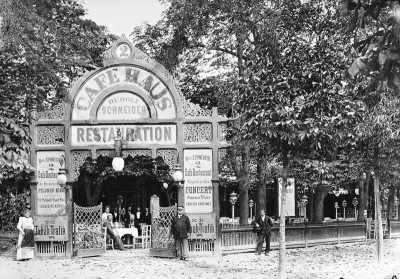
(127, 217)
(139, 215)
(25, 239)
(181, 230)
(109, 226)
(147, 216)
(105, 214)
(115, 215)
(138, 220)
(263, 225)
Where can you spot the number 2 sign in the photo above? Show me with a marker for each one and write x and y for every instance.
(123, 51)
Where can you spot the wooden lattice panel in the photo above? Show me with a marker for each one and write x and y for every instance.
(161, 227)
(87, 223)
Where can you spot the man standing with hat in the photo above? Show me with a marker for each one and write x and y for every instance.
(181, 230)
(263, 224)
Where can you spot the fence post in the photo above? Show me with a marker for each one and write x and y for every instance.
(306, 233)
(389, 228)
(338, 231)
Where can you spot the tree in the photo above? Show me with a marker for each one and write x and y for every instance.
(375, 27)
(292, 96)
(44, 46)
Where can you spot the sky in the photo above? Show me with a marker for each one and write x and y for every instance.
(121, 16)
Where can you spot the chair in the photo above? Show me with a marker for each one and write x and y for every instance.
(145, 239)
(109, 242)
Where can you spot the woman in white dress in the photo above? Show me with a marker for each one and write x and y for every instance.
(25, 239)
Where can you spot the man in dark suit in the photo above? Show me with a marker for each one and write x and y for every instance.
(109, 226)
(263, 225)
(147, 216)
(181, 230)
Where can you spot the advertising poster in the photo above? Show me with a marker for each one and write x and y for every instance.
(198, 190)
(203, 226)
(51, 228)
(290, 197)
(50, 196)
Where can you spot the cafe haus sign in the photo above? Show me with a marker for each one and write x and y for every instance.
(138, 87)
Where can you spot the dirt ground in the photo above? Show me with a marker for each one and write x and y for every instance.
(347, 261)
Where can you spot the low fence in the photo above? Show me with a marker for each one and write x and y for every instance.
(393, 228)
(236, 239)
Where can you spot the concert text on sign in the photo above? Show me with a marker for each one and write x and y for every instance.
(198, 190)
(50, 196)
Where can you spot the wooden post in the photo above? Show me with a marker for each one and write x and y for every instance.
(69, 211)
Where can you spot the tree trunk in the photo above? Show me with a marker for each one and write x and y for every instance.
(261, 200)
(243, 186)
(390, 202)
(378, 220)
(320, 194)
(282, 236)
(310, 205)
(361, 195)
(367, 194)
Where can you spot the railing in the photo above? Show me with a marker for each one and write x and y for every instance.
(236, 239)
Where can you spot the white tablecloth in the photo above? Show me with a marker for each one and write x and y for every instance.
(123, 231)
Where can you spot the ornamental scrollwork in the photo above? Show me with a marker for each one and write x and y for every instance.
(50, 135)
(197, 132)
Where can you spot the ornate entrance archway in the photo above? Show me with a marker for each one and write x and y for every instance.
(137, 95)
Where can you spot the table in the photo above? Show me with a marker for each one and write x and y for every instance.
(124, 231)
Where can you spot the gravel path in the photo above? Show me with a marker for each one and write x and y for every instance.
(349, 261)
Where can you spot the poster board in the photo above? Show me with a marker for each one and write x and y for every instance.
(50, 196)
(198, 188)
(290, 197)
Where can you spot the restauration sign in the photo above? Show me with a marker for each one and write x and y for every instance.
(203, 226)
(198, 190)
(132, 134)
(50, 196)
(51, 228)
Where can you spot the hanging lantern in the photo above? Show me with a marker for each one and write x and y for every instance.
(118, 162)
(62, 178)
(178, 174)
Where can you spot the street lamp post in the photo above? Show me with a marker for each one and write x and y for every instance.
(344, 204)
(304, 201)
(233, 199)
(251, 203)
(355, 203)
(336, 208)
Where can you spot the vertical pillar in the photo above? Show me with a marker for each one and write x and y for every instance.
(69, 211)
(33, 185)
(215, 181)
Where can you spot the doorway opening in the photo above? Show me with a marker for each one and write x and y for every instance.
(141, 178)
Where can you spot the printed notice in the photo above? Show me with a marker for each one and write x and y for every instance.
(50, 196)
(203, 226)
(290, 197)
(198, 190)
